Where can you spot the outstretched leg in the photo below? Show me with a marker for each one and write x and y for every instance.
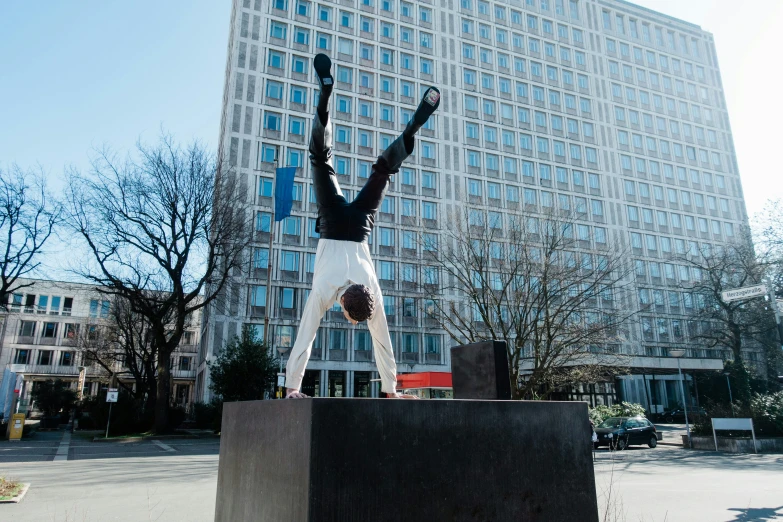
(390, 160)
(323, 65)
(327, 189)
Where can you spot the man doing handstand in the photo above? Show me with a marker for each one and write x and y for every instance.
(344, 270)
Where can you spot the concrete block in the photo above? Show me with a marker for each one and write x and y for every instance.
(385, 460)
(480, 371)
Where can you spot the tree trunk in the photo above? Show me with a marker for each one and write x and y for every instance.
(736, 341)
(151, 389)
(162, 402)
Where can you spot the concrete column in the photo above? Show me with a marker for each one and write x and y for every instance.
(348, 384)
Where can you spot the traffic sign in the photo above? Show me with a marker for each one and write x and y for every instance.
(744, 293)
(111, 395)
(281, 379)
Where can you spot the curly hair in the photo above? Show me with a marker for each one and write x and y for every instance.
(359, 302)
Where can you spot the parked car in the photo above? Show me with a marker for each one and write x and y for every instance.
(678, 415)
(620, 432)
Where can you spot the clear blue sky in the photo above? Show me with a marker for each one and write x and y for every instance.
(80, 73)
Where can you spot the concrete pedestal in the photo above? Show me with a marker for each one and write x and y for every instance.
(385, 460)
(480, 371)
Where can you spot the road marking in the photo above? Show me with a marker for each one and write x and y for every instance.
(65, 444)
(164, 447)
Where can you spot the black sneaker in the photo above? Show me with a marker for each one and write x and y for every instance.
(428, 105)
(323, 65)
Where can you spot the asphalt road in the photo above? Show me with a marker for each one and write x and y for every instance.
(176, 480)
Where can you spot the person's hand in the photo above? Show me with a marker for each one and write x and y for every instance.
(400, 396)
(296, 394)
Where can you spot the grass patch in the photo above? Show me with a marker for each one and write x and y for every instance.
(9, 488)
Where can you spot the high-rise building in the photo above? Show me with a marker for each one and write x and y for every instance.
(607, 106)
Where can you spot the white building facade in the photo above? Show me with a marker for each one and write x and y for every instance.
(43, 331)
(605, 107)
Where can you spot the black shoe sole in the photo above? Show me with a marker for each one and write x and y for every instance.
(323, 65)
(429, 104)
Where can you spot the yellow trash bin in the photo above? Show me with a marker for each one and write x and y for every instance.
(17, 426)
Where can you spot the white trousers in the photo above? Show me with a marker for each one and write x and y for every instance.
(338, 265)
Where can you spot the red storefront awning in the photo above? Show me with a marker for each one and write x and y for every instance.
(409, 381)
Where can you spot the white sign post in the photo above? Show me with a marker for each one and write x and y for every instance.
(743, 293)
(111, 398)
(733, 424)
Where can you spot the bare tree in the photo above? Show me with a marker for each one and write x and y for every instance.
(165, 230)
(714, 322)
(537, 284)
(123, 346)
(28, 218)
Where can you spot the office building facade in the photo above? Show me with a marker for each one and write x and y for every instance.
(604, 107)
(47, 330)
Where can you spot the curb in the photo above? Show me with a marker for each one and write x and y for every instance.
(18, 498)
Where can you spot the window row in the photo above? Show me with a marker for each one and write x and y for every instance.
(489, 57)
(651, 144)
(658, 272)
(644, 77)
(650, 122)
(544, 146)
(49, 330)
(666, 246)
(503, 13)
(665, 63)
(41, 304)
(676, 197)
(632, 96)
(44, 357)
(564, 202)
(643, 166)
(685, 223)
(400, 206)
(675, 42)
(326, 13)
(664, 329)
(538, 72)
(290, 297)
(545, 173)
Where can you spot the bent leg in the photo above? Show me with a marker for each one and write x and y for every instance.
(371, 196)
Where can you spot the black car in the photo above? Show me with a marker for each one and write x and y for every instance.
(678, 415)
(621, 432)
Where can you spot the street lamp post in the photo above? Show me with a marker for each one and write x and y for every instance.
(678, 354)
(731, 399)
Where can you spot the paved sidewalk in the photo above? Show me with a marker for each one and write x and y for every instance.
(171, 480)
(671, 484)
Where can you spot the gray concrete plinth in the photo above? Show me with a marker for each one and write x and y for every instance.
(385, 460)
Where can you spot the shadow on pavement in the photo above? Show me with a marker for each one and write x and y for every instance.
(639, 457)
(756, 514)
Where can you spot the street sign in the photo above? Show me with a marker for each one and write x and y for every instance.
(111, 395)
(281, 379)
(743, 293)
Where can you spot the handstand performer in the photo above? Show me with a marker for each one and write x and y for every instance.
(344, 270)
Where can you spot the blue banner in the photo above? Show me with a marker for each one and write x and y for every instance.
(284, 192)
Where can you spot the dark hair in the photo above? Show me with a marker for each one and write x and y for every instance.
(359, 302)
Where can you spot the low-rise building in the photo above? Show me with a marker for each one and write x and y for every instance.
(46, 331)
